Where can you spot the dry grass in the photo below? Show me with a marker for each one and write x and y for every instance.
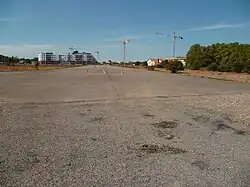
(230, 76)
(32, 67)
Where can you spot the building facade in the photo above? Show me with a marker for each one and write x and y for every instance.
(48, 57)
(155, 61)
(76, 57)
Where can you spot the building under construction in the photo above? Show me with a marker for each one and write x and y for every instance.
(74, 58)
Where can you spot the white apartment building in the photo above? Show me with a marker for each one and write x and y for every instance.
(82, 58)
(47, 57)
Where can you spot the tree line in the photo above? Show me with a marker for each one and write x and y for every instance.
(231, 57)
(15, 60)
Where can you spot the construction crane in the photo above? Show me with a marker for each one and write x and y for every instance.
(97, 55)
(124, 42)
(124, 48)
(174, 37)
(72, 49)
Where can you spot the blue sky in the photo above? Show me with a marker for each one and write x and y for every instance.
(28, 27)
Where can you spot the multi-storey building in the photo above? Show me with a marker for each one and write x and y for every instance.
(47, 57)
(76, 57)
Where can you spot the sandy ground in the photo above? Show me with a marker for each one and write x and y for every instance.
(112, 126)
(237, 77)
(227, 76)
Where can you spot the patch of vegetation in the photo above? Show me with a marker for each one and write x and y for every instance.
(230, 57)
(175, 66)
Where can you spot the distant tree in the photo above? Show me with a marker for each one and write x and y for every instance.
(144, 63)
(227, 57)
(247, 67)
(212, 67)
(165, 64)
(137, 63)
(35, 59)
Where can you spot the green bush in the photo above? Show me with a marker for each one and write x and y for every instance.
(225, 68)
(159, 66)
(247, 68)
(228, 56)
(175, 66)
(238, 67)
(212, 67)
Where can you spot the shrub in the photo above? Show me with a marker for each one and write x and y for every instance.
(159, 66)
(151, 68)
(175, 66)
(194, 66)
(212, 67)
(247, 68)
(224, 68)
(238, 67)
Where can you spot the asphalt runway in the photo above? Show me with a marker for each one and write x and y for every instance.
(111, 126)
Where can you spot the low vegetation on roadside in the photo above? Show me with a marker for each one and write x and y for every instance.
(15, 60)
(7, 68)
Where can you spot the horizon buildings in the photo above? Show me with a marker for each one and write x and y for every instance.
(75, 57)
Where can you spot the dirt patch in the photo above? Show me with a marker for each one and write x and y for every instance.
(220, 125)
(200, 164)
(152, 148)
(149, 115)
(28, 107)
(166, 124)
(164, 134)
(229, 76)
(96, 119)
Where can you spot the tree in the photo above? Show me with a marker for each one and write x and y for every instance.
(145, 63)
(194, 57)
(219, 57)
(137, 63)
(247, 67)
(212, 67)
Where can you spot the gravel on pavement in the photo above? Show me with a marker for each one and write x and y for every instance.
(73, 127)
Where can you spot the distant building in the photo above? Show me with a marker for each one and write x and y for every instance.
(155, 61)
(48, 58)
(75, 57)
(181, 59)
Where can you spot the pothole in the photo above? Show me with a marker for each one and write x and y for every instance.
(220, 125)
(200, 164)
(163, 134)
(166, 124)
(149, 115)
(96, 119)
(154, 148)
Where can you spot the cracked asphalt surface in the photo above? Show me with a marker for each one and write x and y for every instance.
(71, 127)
